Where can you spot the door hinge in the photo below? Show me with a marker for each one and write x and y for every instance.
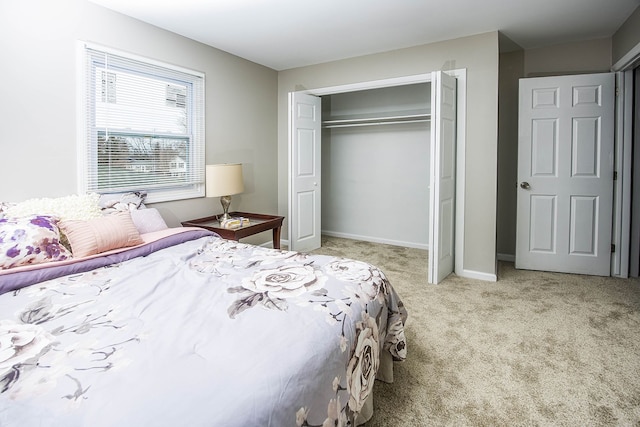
(615, 175)
(617, 91)
(613, 248)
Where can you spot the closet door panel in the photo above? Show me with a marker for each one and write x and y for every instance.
(305, 171)
(442, 194)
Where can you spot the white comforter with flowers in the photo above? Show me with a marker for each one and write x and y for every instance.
(209, 332)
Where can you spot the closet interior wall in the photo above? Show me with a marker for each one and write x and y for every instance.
(375, 165)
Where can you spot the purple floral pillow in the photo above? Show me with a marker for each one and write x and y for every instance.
(31, 239)
(4, 206)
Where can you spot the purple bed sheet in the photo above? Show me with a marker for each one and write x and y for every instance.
(12, 281)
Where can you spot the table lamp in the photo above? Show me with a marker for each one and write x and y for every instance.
(224, 180)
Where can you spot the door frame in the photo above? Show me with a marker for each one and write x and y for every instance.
(621, 264)
(621, 221)
(461, 76)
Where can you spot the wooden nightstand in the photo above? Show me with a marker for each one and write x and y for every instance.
(257, 224)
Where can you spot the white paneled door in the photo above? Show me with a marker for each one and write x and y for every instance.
(443, 173)
(304, 171)
(565, 174)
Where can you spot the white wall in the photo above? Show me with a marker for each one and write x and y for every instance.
(38, 108)
(479, 55)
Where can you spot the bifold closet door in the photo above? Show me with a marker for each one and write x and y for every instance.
(305, 172)
(443, 174)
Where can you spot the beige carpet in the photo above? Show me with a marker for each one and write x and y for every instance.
(533, 349)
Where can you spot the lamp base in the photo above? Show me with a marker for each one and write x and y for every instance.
(225, 201)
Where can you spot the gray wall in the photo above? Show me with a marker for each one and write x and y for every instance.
(37, 47)
(479, 55)
(627, 37)
(38, 143)
(511, 69)
(591, 56)
(375, 179)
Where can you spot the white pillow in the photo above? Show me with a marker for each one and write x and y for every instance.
(116, 202)
(75, 206)
(148, 220)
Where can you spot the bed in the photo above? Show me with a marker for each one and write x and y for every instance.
(182, 327)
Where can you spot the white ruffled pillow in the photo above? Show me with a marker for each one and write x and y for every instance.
(82, 206)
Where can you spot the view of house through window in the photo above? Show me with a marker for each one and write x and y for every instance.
(144, 127)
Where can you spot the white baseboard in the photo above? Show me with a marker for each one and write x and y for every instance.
(414, 245)
(470, 274)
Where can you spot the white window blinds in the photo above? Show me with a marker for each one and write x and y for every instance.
(143, 126)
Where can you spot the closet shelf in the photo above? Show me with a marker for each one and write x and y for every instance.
(376, 120)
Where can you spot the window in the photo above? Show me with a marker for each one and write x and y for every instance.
(142, 126)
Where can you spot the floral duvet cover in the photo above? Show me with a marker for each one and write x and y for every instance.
(207, 332)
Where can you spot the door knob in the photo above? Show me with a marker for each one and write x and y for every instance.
(525, 185)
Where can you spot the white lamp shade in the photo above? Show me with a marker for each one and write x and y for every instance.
(224, 180)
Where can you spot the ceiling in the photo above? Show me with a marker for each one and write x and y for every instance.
(283, 34)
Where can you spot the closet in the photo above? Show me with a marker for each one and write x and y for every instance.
(375, 164)
(377, 161)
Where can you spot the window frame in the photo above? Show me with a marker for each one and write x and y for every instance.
(87, 136)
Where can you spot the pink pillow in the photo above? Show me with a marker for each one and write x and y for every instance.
(101, 234)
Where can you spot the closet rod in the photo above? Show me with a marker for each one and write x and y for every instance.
(374, 123)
